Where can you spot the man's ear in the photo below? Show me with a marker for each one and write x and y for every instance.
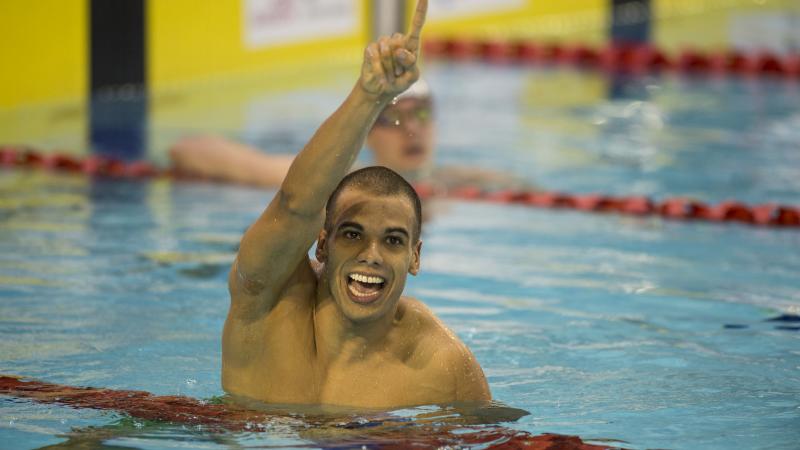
(322, 251)
(413, 268)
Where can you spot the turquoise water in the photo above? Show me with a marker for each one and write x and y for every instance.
(648, 333)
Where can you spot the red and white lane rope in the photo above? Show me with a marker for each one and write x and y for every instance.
(634, 59)
(768, 214)
(387, 432)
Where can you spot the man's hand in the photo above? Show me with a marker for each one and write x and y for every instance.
(390, 64)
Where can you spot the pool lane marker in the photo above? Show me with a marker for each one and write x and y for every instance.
(765, 215)
(634, 59)
(218, 418)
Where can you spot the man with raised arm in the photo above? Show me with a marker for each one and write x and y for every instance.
(339, 331)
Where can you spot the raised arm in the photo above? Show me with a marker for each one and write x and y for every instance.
(279, 240)
(221, 159)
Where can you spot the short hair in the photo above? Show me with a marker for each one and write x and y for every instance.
(380, 181)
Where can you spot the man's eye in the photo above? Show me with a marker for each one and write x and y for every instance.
(351, 234)
(394, 240)
(423, 114)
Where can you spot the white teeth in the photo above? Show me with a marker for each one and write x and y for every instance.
(366, 279)
(359, 294)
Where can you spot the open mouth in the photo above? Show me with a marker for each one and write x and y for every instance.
(414, 150)
(364, 288)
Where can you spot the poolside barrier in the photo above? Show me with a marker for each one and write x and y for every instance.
(626, 58)
(766, 215)
(217, 417)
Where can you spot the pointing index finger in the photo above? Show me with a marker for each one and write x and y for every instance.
(412, 44)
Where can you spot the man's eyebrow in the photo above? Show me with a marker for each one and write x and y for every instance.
(355, 225)
(400, 230)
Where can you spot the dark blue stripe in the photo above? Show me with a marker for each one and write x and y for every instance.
(630, 21)
(118, 85)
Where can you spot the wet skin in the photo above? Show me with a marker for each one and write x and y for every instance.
(322, 344)
(371, 237)
(404, 140)
(342, 334)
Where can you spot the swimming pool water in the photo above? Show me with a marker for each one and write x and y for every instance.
(652, 333)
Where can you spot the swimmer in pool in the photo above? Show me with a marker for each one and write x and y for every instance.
(338, 330)
(402, 139)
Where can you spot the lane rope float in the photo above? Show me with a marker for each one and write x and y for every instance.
(766, 215)
(633, 59)
(217, 417)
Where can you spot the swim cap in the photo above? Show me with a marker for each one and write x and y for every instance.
(419, 90)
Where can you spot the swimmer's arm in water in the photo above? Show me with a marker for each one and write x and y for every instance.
(457, 177)
(276, 245)
(458, 362)
(217, 158)
(471, 384)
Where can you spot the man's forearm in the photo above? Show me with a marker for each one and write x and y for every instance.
(327, 157)
(273, 247)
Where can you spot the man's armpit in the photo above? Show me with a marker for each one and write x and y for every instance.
(247, 304)
(252, 298)
(249, 284)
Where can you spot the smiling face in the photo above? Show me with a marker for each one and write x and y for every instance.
(368, 251)
(403, 136)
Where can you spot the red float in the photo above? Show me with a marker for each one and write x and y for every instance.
(620, 57)
(497, 52)
(459, 49)
(580, 56)
(671, 208)
(382, 431)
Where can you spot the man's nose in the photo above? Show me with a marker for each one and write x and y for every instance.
(370, 254)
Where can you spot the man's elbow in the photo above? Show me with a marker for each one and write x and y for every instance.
(297, 205)
(241, 281)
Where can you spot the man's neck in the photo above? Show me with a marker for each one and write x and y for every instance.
(338, 337)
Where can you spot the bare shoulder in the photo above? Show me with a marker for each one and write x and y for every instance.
(440, 352)
(250, 321)
(430, 331)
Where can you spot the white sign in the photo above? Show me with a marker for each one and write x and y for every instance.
(448, 9)
(775, 32)
(272, 22)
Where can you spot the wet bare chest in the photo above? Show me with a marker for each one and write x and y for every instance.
(383, 382)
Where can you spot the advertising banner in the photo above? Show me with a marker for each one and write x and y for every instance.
(275, 22)
(450, 9)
